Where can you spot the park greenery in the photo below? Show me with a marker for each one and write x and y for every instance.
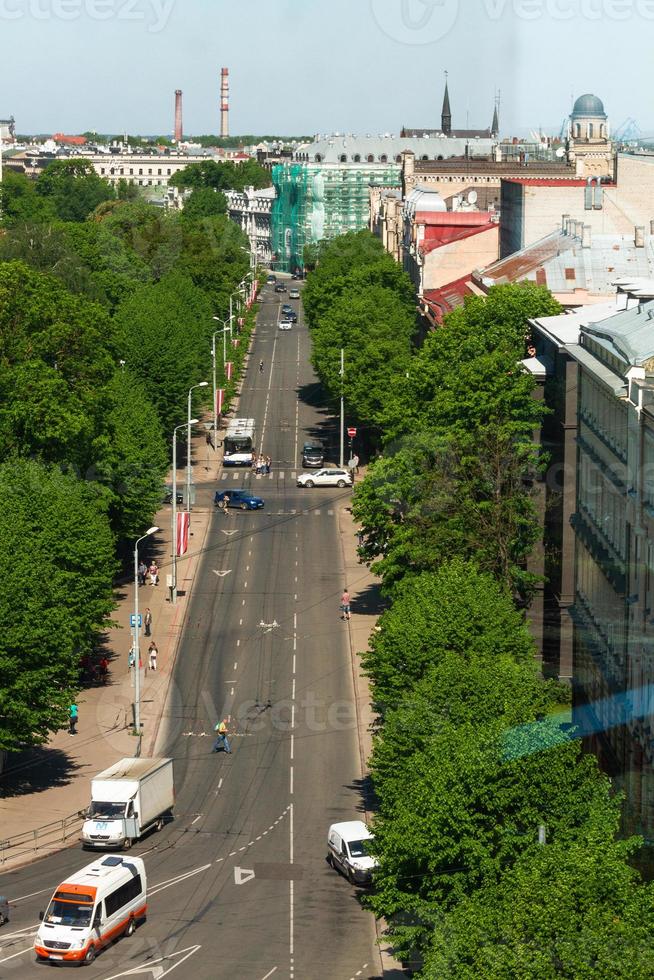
(497, 837)
(222, 176)
(106, 320)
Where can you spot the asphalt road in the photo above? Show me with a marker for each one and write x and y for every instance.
(238, 883)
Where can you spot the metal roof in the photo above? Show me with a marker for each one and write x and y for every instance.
(332, 148)
(629, 334)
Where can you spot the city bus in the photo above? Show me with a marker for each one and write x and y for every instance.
(238, 445)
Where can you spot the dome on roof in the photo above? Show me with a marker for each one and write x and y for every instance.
(588, 105)
(421, 199)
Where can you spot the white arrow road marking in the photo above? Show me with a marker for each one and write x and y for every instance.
(222, 574)
(158, 971)
(242, 875)
(269, 626)
(173, 881)
(235, 531)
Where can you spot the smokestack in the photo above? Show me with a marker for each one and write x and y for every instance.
(224, 102)
(179, 131)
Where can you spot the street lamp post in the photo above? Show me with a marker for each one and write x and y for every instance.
(137, 654)
(227, 325)
(184, 425)
(202, 384)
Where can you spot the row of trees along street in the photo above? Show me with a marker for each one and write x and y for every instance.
(497, 838)
(106, 306)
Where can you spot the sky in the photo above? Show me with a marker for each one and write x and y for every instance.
(318, 66)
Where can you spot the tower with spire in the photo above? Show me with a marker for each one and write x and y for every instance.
(446, 113)
(495, 125)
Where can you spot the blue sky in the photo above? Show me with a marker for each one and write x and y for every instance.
(307, 66)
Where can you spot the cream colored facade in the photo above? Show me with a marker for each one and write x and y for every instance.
(530, 211)
(450, 262)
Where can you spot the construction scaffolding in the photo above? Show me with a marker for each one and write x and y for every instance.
(321, 201)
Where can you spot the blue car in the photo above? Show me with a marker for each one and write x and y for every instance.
(238, 498)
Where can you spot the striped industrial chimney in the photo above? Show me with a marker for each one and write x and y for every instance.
(224, 102)
(179, 131)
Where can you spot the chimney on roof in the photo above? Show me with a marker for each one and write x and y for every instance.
(179, 130)
(585, 236)
(224, 102)
(639, 236)
(651, 226)
(565, 219)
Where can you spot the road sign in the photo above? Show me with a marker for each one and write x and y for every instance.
(351, 433)
(132, 622)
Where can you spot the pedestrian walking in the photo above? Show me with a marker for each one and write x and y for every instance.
(222, 740)
(268, 464)
(104, 670)
(73, 717)
(345, 605)
(152, 654)
(147, 620)
(355, 460)
(131, 658)
(153, 572)
(143, 571)
(351, 468)
(224, 505)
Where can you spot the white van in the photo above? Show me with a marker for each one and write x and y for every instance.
(347, 851)
(91, 908)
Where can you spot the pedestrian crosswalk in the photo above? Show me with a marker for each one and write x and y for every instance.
(244, 476)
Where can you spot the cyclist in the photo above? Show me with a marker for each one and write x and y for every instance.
(261, 366)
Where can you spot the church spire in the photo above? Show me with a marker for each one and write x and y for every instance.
(446, 114)
(495, 125)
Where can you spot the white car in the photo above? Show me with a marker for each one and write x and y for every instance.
(294, 294)
(284, 324)
(347, 851)
(325, 478)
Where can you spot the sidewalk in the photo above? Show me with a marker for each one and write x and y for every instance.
(52, 783)
(367, 605)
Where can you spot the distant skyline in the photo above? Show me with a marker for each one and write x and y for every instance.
(308, 66)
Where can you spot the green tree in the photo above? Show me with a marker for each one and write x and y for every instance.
(73, 188)
(132, 455)
(56, 567)
(222, 176)
(204, 202)
(56, 353)
(455, 610)
(164, 331)
(19, 202)
(572, 908)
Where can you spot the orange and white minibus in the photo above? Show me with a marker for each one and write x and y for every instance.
(91, 908)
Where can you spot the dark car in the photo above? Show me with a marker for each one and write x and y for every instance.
(271, 279)
(280, 288)
(313, 454)
(168, 496)
(242, 499)
(289, 315)
(287, 308)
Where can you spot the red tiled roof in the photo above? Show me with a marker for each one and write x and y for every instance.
(437, 237)
(443, 300)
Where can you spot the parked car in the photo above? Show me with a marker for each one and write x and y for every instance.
(4, 910)
(285, 325)
(347, 851)
(280, 288)
(325, 478)
(294, 294)
(313, 454)
(168, 496)
(242, 499)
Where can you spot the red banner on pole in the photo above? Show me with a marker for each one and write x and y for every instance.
(220, 400)
(182, 532)
(229, 367)
(235, 342)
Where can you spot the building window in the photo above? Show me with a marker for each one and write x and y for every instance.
(577, 130)
(590, 131)
(357, 158)
(383, 158)
(160, 171)
(424, 157)
(370, 158)
(343, 158)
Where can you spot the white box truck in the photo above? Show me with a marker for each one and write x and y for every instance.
(128, 799)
